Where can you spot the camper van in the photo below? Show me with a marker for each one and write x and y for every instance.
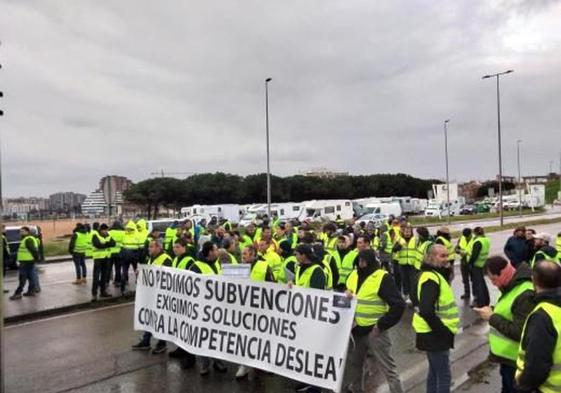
(327, 210)
(284, 211)
(387, 209)
(230, 212)
(440, 209)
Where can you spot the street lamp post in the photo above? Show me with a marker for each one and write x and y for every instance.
(519, 183)
(447, 178)
(497, 75)
(268, 156)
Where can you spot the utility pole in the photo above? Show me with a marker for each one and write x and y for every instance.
(519, 182)
(2, 347)
(268, 155)
(501, 213)
(447, 178)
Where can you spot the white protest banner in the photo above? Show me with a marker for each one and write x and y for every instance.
(299, 333)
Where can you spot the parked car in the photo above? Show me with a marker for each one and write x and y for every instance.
(467, 210)
(14, 238)
(377, 219)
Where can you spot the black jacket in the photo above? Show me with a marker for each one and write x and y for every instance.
(521, 307)
(539, 343)
(548, 250)
(516, 250)
(440, 338)
(475, 251)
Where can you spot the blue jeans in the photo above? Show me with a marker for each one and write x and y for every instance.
(27, 273)
(439, 378)
(507, 376)
(79, 265)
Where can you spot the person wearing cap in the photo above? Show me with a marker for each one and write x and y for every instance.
(479, 253)
(129, 254)
(543, 250)
(379, 308)
(437, 319)
(538, 367)
(102, 244)
(443, 237)
(507, 318)
(407, 254)
(463, 248)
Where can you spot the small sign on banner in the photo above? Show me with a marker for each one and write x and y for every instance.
(236, 271)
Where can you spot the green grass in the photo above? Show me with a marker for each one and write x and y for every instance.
(481, 216)
(512, 225)
(55, 248)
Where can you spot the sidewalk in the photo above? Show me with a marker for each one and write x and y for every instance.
(57, 292)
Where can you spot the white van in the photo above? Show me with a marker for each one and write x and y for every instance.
(284, 211)
(387, 209)
(440, 209)
(327, 210)
(230, 212)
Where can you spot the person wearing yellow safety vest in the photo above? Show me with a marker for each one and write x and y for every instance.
(463, 248)
(260, 272)
(443, 237)
(437, 320)
(309, 274)
(507, 318)
(207, 265)
(229, 253)
(385, 247)
(117, 233)
(538, 366)
(558, 243)
(379, 308)
(129, 253)
(273, 259)
(337, 256)
(286, 274)
(170, 236)
(543, 250)
(142, 240)
(291, 234)
(330, 237)
(156, 257)
(479, 253)
(102, 244)
(348, 264)
(27, 256)
(77, 248)
(406, 254)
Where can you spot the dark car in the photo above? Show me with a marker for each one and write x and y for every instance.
(14, 238)
(467, 209)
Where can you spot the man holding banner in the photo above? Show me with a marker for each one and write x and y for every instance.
(380, 307)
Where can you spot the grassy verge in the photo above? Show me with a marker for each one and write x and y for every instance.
(56, 247)
(512, 225)
(482, 216)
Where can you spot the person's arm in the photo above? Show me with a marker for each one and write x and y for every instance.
(521, 308)
(508, 249)
(334, 270)
(541, 338)
(72, 243)
(475, 253)
(390, 294)
(427, 307)
(317, 280)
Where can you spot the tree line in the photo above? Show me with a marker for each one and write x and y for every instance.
(217, 188)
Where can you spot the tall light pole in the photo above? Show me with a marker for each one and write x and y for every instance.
(268, 156)
(447, 178)
(497, 75)
(519, 183)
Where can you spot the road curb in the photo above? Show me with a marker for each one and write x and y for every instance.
(52, 312)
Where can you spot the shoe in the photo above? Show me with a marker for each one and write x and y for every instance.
(38, 290)
(6, 291)
(116, 284)
(242, 372)
(141, 346)
(177, 354)
(105, 295)
(159, 349)
(15, 296)
(78, 281)
(94, 299)
(219, 367)
(84, 281)
(29, 294)
(204, 371)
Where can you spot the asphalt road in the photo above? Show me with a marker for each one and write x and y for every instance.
(90, 352)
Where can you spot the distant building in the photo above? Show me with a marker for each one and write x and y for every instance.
(66, 201)
(21, 207)
(324, 173)
(469, 190)
(534, 179)
(108, 198)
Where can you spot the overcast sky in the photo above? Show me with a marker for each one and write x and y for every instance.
(132, 87)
